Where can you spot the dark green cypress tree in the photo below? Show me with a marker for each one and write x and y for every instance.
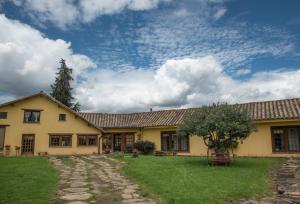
(61, 89)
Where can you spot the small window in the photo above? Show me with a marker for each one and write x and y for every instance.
(31, 116)
(3, 115)
(62, 117)
(60, 141)
(171, 142)
(87, 140)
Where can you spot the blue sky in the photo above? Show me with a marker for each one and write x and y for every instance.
(130, 55)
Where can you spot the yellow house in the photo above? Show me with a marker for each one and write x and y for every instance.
(39, 124)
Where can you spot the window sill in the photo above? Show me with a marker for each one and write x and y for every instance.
(31, 122)
(87, 145)
(60, 146)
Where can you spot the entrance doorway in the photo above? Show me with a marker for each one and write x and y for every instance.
(2, 137)
(28, 144)
(117, 142)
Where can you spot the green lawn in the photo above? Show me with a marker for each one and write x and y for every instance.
(188, 180)
(26, 180)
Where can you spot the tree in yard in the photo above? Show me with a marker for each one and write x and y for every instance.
(221, 126)
(61, 89)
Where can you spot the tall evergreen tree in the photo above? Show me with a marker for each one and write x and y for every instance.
(61, 89)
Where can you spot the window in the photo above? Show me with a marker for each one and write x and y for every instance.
(87, 140)
(171, 142)
(60, 140)
(286, 139)
(62, 117)
(3, 115)
(31, 116)
(129, 141)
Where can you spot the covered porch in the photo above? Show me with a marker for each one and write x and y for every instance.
(118, 142)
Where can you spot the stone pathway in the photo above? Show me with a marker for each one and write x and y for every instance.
(288, 185)
(95, 179)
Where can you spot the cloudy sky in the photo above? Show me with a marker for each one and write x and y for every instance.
(132, 55)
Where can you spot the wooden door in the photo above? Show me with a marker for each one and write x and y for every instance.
(28, 144)
(2, 135)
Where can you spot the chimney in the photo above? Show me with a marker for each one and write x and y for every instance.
(150, 109)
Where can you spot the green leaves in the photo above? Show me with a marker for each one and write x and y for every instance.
(220, 125)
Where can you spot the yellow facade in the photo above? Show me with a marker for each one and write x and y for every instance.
(259, 143)
(49, 124)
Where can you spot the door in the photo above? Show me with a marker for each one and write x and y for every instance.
(28, 144)
(2, 135)
(117, 142)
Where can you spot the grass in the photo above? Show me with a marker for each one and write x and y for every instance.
(26, 180)
(189, 180)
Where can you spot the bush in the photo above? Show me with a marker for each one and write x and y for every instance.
(145, 147)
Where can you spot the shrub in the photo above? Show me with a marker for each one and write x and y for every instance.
(145, 147)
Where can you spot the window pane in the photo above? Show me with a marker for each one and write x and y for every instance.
(66, 141)
(37, 116)
(184, 143)
(27, 116)
(165, 142)
(62, 117)
(92, 140)
(279, 144)
(175, 144)
(82, 140)
(3, 115)
(293, 136)
(129, 143)
(54, 140)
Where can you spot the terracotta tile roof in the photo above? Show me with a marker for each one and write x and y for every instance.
(266, 110)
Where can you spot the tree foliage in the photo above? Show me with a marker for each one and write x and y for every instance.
(61, 89)
(221, 126)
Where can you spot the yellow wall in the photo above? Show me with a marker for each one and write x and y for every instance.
(259, 143)
(48, 124)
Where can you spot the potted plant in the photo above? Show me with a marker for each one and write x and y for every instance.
(106, 145)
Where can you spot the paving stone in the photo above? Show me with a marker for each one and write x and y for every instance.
(76, 190)
(78, 184)
(287, 191)
(126, 196)
(128, 191)
(76, 196)
(78, 202)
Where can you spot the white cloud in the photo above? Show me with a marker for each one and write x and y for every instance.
(181, 83)
(63, 13)
(241, 72)
(220, 12)
(28, 60)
